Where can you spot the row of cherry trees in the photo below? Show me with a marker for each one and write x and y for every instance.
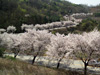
(85, 46)
(47, 26)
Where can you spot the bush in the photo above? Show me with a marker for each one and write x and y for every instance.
(97, 14)
(2, 51)
(10, 57)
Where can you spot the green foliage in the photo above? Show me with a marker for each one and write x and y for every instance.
(98, 26)
(97, 14)
(10, 57)
(61, 31)
(12, 12)
(86, 25)
(2, 51)
(53, 32)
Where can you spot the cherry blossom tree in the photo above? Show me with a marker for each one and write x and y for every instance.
(36, 42)
(1, 40)
(11, 29)
(13, 42)
(2, 31)
(54, 25)
(17, 43)
(4, 39)
(25, 26)
(59, 48)
(81, 15)
(86, 47)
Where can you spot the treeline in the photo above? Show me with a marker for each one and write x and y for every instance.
(16, 12)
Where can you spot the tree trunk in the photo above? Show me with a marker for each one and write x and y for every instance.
(58, 64)
(33, 60)
(15, 55)
(85, 68)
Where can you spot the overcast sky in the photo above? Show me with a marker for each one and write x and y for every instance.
(88, 2)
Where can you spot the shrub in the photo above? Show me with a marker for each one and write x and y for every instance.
(10, 57)
(2, 51)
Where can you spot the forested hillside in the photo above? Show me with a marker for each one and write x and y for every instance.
(16, 12)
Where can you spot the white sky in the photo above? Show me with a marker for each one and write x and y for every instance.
(88, 2)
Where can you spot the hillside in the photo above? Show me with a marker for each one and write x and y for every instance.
(96, 11)
(16, 67)
(86, 25)
(16, 12)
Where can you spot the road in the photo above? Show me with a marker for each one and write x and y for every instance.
(65, 64)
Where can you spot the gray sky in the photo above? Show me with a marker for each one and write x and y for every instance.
(88, 2)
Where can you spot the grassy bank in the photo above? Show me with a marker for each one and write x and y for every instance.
(16, 67)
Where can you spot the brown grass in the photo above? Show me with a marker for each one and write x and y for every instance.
(16, 67)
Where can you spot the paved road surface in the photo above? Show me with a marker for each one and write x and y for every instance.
(66, 64)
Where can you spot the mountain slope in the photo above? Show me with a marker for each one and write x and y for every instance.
(16, 12)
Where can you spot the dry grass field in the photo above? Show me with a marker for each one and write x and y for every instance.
(16, 67)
